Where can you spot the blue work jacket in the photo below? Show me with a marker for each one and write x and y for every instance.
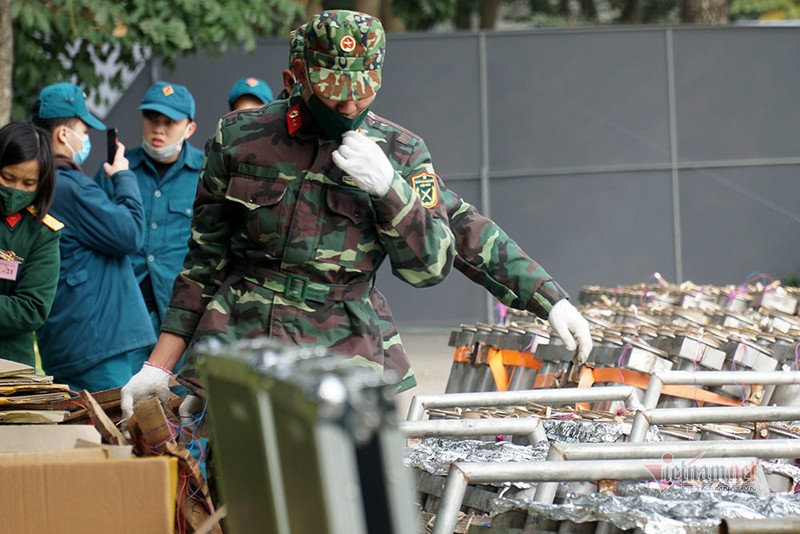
(168, 209)
(98, 310)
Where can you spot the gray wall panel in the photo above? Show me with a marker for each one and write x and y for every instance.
(577, 99)
(736, 221)
(735, 89)
(441, 105)
(606, 229)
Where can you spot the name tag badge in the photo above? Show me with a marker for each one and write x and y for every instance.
(8, 270)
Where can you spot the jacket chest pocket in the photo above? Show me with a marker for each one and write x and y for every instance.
(349, 229)
(266, 213)
(181, 213)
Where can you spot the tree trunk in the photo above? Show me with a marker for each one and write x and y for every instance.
(6, 60)
(488, 11)
(704, 11)
(370, 7)
(391, 23)
(589, 10)
(631, 12)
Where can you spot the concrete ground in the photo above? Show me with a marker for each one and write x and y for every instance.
(431, 359)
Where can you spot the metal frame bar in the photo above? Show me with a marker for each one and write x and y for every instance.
(703, 378)
(763, 449)
(720, 414)
(529, 426)
(462, 474)
(421, 403)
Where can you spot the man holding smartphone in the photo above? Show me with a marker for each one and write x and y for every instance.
(98, 330)
(167, 169)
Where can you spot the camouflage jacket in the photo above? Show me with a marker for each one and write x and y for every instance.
(282, 245)
(489, 257)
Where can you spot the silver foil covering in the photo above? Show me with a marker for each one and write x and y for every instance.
(434, 455)
(654, 508)
(580, 431)
(790, 471)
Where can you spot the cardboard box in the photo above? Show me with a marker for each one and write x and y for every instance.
(82, 491)
(45, 437)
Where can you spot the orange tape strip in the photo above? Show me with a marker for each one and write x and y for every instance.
(641, 380)
(462, 354)
(499, 372)
(521, 359)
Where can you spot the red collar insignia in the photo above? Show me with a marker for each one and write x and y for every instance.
(13, 219)
(294, 119)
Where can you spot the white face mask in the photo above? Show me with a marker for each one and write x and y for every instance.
(165, 153)
(79, 156)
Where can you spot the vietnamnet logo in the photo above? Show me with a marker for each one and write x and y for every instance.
(671, 471)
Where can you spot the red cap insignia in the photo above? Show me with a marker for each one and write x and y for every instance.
(347, 44)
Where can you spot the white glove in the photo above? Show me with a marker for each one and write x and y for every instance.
(151, 380)
(362, 158)
(570, 326)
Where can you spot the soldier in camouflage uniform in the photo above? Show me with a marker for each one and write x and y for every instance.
(486, 255)
(296, 211)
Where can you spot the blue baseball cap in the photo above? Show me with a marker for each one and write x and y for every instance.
(250, 86)
(66, 100)
(173, 100)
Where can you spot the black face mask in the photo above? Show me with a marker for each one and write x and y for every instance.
(333, 123)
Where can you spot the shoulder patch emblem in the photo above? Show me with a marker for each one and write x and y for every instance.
(424, 184)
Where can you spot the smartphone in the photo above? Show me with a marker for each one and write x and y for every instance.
(111, 143)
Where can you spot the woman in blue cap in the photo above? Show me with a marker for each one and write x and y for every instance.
(98, 329)
(28, 238)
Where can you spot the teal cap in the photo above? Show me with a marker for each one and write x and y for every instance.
(170, 99)
(65, 100)
(250, 86)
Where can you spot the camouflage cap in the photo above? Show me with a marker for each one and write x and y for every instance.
(296, 44)
(344, 52)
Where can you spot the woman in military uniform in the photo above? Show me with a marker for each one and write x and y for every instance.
(29, 237)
